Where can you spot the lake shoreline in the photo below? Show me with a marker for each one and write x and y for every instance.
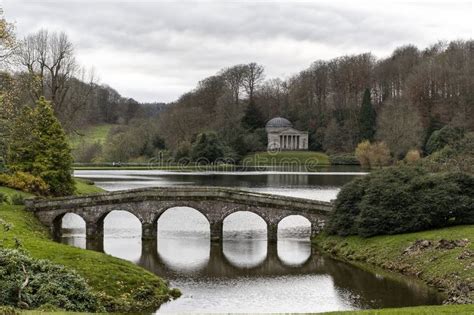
(449, 270)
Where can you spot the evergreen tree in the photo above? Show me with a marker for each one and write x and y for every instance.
(207, 146)
(367, 118)
(253, 117)
(39, 146)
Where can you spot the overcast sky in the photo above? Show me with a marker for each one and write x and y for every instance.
(157, 50)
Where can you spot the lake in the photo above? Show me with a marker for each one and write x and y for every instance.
(244, 273)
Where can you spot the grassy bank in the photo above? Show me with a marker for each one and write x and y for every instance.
(436, 263)
(286, 158)
(121, 285)
(86, 187)
(418, 310)
(89, 135)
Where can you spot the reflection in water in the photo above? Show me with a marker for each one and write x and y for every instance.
(245, 273)
(186, 255)
(294, 252)
(247, 253)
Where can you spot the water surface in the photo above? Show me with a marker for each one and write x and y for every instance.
(244, 273)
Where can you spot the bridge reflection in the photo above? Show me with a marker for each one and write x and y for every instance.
(237, 260)
(227, 259)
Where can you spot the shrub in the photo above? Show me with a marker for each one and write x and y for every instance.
(88, 152)
(183, 152)
(17, 200)
(344, 159)
(458, 156)
(3, 198)
(25, 182)
(207, 147)
(443, 137)
(412, 156)
(38, 146)
(372, 155)
(341, 221)
(32, 283)
(362, 153)
(403, 199)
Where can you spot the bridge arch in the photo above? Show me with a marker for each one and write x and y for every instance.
(192, 206)
(298, 220)
(57, 226)
(168, 211)
(130, 216)
(255, 214)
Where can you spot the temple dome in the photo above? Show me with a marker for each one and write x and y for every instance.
(278, 122)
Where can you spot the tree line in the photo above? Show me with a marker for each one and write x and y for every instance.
(400, 100)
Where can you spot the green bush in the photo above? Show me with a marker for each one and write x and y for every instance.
(443, 137)
(3, 198)
(38, 146)
(403, 199)
(343, 159)
(207, 148)
(458, 156)
(31, 283)
(17, 200)
(25, 182)
(342, 221)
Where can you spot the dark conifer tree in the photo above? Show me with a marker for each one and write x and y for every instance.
(253, 118)
(40, 147)
(367, 118)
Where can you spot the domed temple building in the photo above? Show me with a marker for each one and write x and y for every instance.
(282, 135)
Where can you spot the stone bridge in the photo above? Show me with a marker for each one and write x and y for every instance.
(215, 203)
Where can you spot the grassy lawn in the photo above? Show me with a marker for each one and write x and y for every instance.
(10, 192)
(91, 134)
(85, 187)
(289, 158)
(418, 310)
(117, 281)
(451, 270)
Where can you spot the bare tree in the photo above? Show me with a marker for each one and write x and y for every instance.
(7, 39)
(253, 77)
(49, 61)
(399, 126)
(234, 78)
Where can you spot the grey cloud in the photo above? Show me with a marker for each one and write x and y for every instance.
(179, 43)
